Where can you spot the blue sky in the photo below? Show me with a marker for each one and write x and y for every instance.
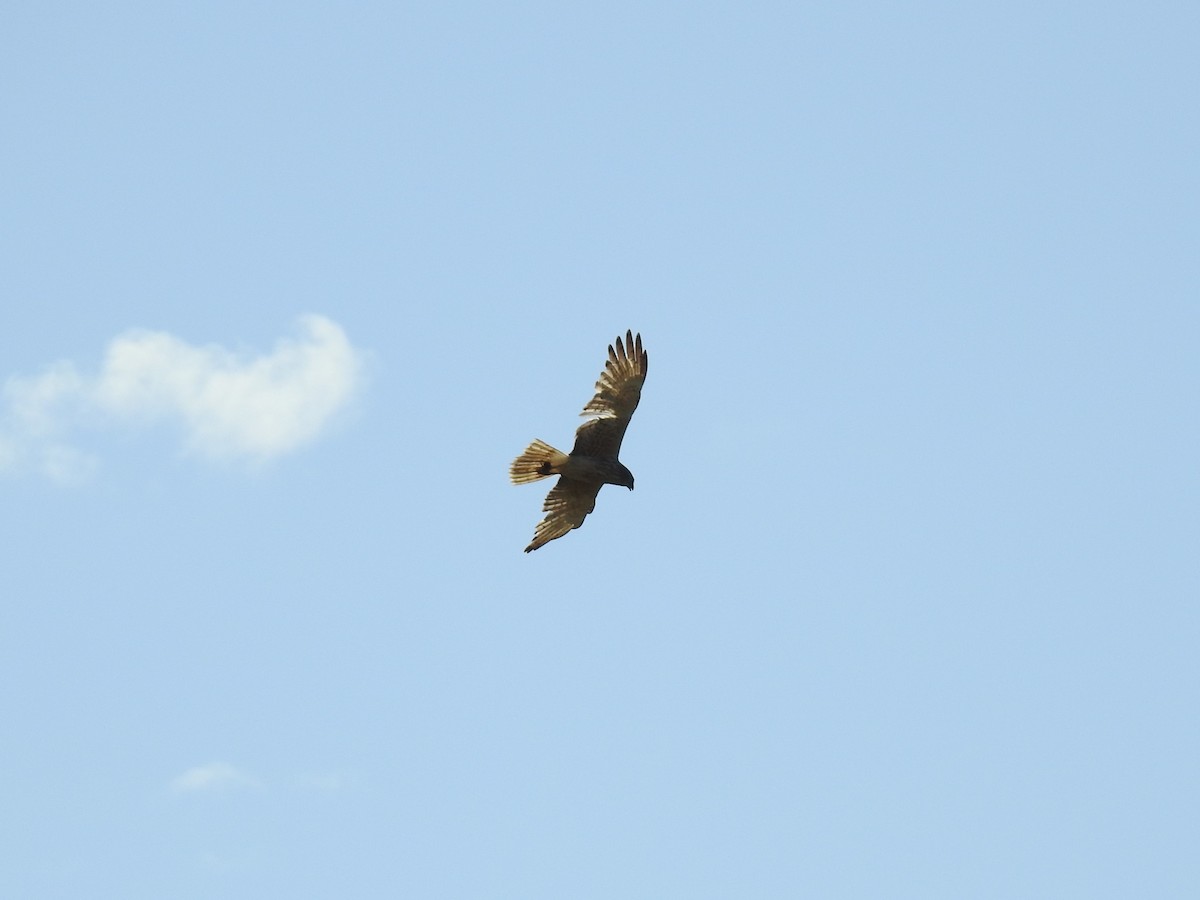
(905, 602)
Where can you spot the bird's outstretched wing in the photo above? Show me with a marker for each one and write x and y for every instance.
(617, 394)
(566, 506)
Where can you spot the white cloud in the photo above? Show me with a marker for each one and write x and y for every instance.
(35, 413)
(39, 404)
(229, 405)
(214, 776)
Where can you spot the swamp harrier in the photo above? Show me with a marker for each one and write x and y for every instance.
(592, 462)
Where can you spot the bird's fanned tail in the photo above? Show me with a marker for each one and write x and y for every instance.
(593, 461)
(539, 460)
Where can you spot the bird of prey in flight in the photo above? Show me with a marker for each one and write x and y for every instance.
(593, 461)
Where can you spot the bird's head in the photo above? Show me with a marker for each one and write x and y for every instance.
(626, 478)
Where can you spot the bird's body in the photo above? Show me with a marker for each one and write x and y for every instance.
(601, 471)
(592, 462)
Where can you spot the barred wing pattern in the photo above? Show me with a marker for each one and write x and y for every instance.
(593, 462)
(617, 394)
(566, 506)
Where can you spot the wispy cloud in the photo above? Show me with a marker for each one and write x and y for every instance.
(327, 782)
(214, 776)
(229, 405)
(222, 776)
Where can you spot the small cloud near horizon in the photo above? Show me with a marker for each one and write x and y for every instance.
(214, 776)
(327, 782)
(229, 406)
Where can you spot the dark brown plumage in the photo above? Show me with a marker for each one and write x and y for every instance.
(592, 462)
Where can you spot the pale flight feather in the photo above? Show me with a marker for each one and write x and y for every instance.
(593, 461)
